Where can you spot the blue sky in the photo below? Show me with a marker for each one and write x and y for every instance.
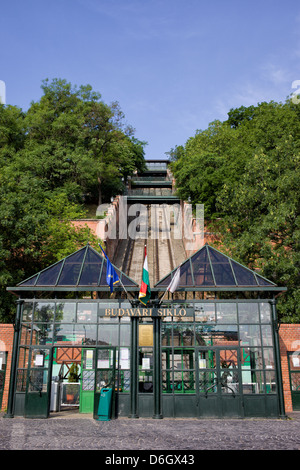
(173, 65)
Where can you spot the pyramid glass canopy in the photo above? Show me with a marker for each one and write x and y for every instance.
(209, 269)
(83, 270)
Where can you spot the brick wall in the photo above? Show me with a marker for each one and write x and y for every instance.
(289, 337)
(6, 344)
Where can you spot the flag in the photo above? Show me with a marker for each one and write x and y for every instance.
(145, 292)
(111, 275)
(175, 281)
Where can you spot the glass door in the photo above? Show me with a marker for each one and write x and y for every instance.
(105, 375)
(37, 400)
(87, 383)
(218, 382)
(294, 371)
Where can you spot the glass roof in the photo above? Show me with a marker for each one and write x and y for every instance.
(84, 268)
(208, 267)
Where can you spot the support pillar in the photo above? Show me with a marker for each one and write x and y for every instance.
(134, 371)
(277, 359)
(157, 369)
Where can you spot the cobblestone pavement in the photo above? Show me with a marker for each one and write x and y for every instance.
(85, 433)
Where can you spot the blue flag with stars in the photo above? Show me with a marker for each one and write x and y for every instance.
(111, 275)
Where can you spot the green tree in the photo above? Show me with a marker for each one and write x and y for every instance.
(246, 173)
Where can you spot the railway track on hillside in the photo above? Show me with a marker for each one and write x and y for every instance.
(155, 230)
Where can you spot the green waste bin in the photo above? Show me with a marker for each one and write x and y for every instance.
(104, 408)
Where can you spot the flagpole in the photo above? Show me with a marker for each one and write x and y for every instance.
(118, 276)
(161, 299)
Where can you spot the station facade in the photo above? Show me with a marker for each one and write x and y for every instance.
(211, 349)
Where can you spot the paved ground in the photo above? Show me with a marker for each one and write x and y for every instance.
(84, 433)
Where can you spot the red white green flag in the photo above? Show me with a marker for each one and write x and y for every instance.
(145, 292)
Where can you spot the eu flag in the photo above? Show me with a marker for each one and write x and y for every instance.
(111, 275)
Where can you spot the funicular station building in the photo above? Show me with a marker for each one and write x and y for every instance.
(210, 349)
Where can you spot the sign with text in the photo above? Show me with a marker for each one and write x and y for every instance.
(147, 312)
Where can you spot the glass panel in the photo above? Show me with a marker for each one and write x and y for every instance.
(269, 358)
(263, 282)
(184, 381)
(88, 380)
(42, 333)
(104, 378)
(70, 271)
(167, 381)
(186, 274)
(201, 269)
(226, 335)
(251, 358)
(248, 313)
(183, 335)
(50, 275)
(91, 269)
(21, 380)
(166, 334)
(204, 335)
(25, 334)
(65, 312)
(125, 335)
(294, 361)
(23, 358)
(75, 334)
(222, 269)
(38, 380)
(208, 335)
(183, 359)
(146, 370)
(105, 319)
(124, 381)
(44, 312)
(226, 312)
(88, 359)
(124, 359)
(271, 386)
(207, 359)
(205, 313)
(27, 312)
(267, 336)
(229, 380)
(105, 359)
(87, 312)
(39, 358)
(250, 335)
(265, 312)
(244, 277)
(253, 381)
(108, 335)
(295, 381)
(207, 382)
(29, 282)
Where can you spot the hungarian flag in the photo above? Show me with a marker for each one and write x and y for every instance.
(145, 292)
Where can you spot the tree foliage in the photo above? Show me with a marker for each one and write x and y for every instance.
(66, 149)
(246, 172)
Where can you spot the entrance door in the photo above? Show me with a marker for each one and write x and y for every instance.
(105, 375)
(218, 382)
(87, 383)
(37, 400)
(294, 370)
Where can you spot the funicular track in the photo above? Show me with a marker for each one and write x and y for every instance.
(156, 232)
